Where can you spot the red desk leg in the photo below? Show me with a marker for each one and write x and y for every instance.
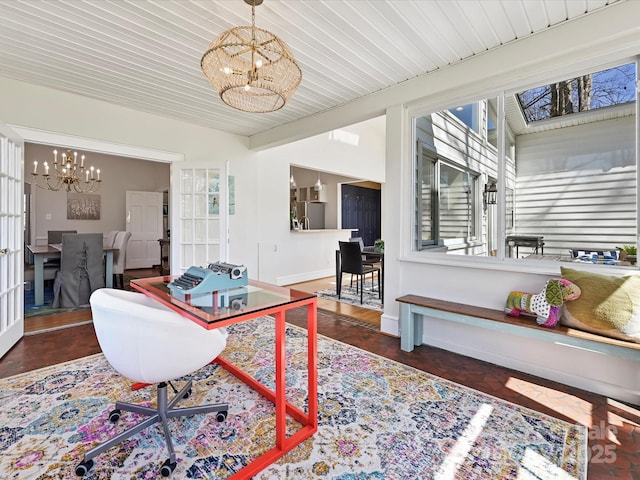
(281, 399)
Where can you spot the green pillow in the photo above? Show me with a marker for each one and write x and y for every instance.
(609, 305)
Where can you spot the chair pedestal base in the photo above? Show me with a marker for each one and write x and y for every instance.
(165, 409)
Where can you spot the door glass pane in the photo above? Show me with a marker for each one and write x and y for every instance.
(186, 206)
(200, 252)
(200, 231)
(186, 183)
(200, 206)
(186, 256)
(200, 181)
(187, 230)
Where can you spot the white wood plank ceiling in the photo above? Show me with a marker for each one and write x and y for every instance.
(145, 54)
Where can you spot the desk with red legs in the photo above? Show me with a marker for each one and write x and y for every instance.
(256, 300)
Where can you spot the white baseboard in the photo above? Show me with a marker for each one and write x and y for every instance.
(390, 325)
(305, 277)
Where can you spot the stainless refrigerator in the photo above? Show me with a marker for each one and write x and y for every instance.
(310, 215)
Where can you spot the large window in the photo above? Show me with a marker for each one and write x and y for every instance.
(568, 170)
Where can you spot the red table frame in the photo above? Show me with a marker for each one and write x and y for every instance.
(309, 420)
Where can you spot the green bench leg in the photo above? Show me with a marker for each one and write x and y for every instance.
(410, 328)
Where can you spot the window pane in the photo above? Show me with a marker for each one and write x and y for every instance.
(467, 114)
(453, 161)
(576, 177)
(601, 89)
(456, 207)
(426, 198)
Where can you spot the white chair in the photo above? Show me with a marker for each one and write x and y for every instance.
(119, 257)
(110, 239)
(149, 343)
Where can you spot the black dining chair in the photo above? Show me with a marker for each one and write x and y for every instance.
(351, 262)
(366, 261)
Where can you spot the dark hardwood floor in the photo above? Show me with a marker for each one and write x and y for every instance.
(614, 444)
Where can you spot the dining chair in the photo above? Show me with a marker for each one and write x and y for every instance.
(147, 342)
(110, 239)
(55, 237)
(119, 258)
(351, 262)
(81, 269)
(369, 262)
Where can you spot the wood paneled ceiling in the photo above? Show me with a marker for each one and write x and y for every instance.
(145, 54)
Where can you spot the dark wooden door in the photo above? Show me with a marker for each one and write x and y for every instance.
(361, 212)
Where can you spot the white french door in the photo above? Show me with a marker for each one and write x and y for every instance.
(203, 207)
(11, 239)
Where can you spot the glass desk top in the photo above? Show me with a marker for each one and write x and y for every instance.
(224, 304)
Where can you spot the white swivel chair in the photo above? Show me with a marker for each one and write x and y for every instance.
(120, 257)
(149, 343)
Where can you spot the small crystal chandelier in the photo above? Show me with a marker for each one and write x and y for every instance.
(68, 174)
(250, 68)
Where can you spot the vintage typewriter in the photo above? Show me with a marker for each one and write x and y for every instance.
(215, 277)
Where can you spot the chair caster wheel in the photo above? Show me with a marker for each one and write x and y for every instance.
(167, 468)
(221, 416)
(187, 394)
(83, 467)
(114, 415)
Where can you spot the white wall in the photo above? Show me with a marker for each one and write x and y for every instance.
(287, 257)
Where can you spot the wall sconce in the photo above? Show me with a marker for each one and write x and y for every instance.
(292, 182)
(490, 194)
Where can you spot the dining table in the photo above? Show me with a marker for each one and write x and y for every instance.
(54, 250)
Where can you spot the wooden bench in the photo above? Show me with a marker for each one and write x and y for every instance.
(413, 307)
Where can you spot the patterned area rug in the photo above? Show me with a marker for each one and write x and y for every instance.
(378, 419)
(30, 310)
(349, 295)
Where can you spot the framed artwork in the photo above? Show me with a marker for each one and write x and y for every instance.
(83, 206)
